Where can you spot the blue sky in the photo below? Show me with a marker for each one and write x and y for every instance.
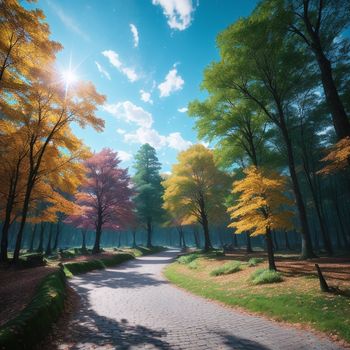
(147, 57)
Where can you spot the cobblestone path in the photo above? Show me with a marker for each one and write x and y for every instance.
(132, 306)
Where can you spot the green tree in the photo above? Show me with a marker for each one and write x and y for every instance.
(149, 190)
(255, 60)
(198, 187)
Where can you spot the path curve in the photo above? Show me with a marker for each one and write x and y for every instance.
(132, 306)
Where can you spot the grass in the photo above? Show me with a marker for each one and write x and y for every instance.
(188, 258)
(255, 261)
(264, 276)
(193, 264)
(33, 323)
(226, 269)
(296, 299)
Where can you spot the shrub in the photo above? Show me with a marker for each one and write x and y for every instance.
(193, 264)
(255, 261)
(262, 276)
(226, 269)
(186, 259)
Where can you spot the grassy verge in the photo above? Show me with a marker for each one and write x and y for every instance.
(295, 299)
(140, 250)
(33, 323)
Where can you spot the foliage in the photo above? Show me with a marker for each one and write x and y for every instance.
(261, 203)
(255, 261)
(193, 265)
(148, 188)
(227, 268)
(338, 157)
(34, 322)
(263, 276)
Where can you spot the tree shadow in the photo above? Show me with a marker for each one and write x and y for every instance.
(89, 330)
(238, 343)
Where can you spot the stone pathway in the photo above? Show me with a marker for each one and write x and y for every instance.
(132, 306)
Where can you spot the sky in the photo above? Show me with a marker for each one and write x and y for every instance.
(147, 57)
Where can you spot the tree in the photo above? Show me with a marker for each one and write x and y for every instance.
(255, 60)
(198, 187)
(319, 24)
(148, 189)
(104, 198)
(260, 207)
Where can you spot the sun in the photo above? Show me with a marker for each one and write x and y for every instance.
(69, 77)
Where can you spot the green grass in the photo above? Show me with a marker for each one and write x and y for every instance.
(226, 269)
(140, 251)
(193, 264)
(33, 323)
(321, 311)
(188, 258)
(264, 276)
(255, 261)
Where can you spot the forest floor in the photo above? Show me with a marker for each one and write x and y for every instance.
(18, 285)
(297, 299)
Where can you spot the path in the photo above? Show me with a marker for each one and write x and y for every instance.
(133, 307)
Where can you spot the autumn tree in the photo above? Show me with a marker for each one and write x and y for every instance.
(261, 206)
(104, 198)
(148, 189)
(198, 187)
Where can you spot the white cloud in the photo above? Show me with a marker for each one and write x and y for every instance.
(146, 96)
(114, 60)
(156, 140)
(183, 110)
(130, 113)
(172, 82)
(68, 21)
(102, 71)
(121, 131)
(124, 156)
(177, 12)
(135, 34)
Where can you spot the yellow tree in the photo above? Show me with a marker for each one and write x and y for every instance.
(24, 44)
(44, 114)
(196, 189)
(261, 206)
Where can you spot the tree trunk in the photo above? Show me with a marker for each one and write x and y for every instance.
(32, 239)
(183, 240)
(83, 236)
(196, 238)
(275, 241)
(249, 243)
(48, 247)
(149, 232)
(179, 231)
(286, 240)
(235, 240)
(96, 248)
(323, 284)
(207, 242)
(58, 231)
(41, 238)
(306, 246)
(134, 245)
(269, 248)
(336, 206)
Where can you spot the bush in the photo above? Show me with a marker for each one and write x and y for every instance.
(262, 276)
(75, 268)
(32, 260)
(226, 269)
(193, 264)
(255, 261)
(186, 259)
(33, 323)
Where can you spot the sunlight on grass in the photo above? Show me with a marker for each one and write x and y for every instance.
(263, 276)
(228, 268)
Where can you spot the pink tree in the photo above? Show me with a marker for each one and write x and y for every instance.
(104, 198)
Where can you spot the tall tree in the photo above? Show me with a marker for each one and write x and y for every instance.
(255, 60)
(260, 207)
(148, 189)
(198, 187)
(104, 198)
